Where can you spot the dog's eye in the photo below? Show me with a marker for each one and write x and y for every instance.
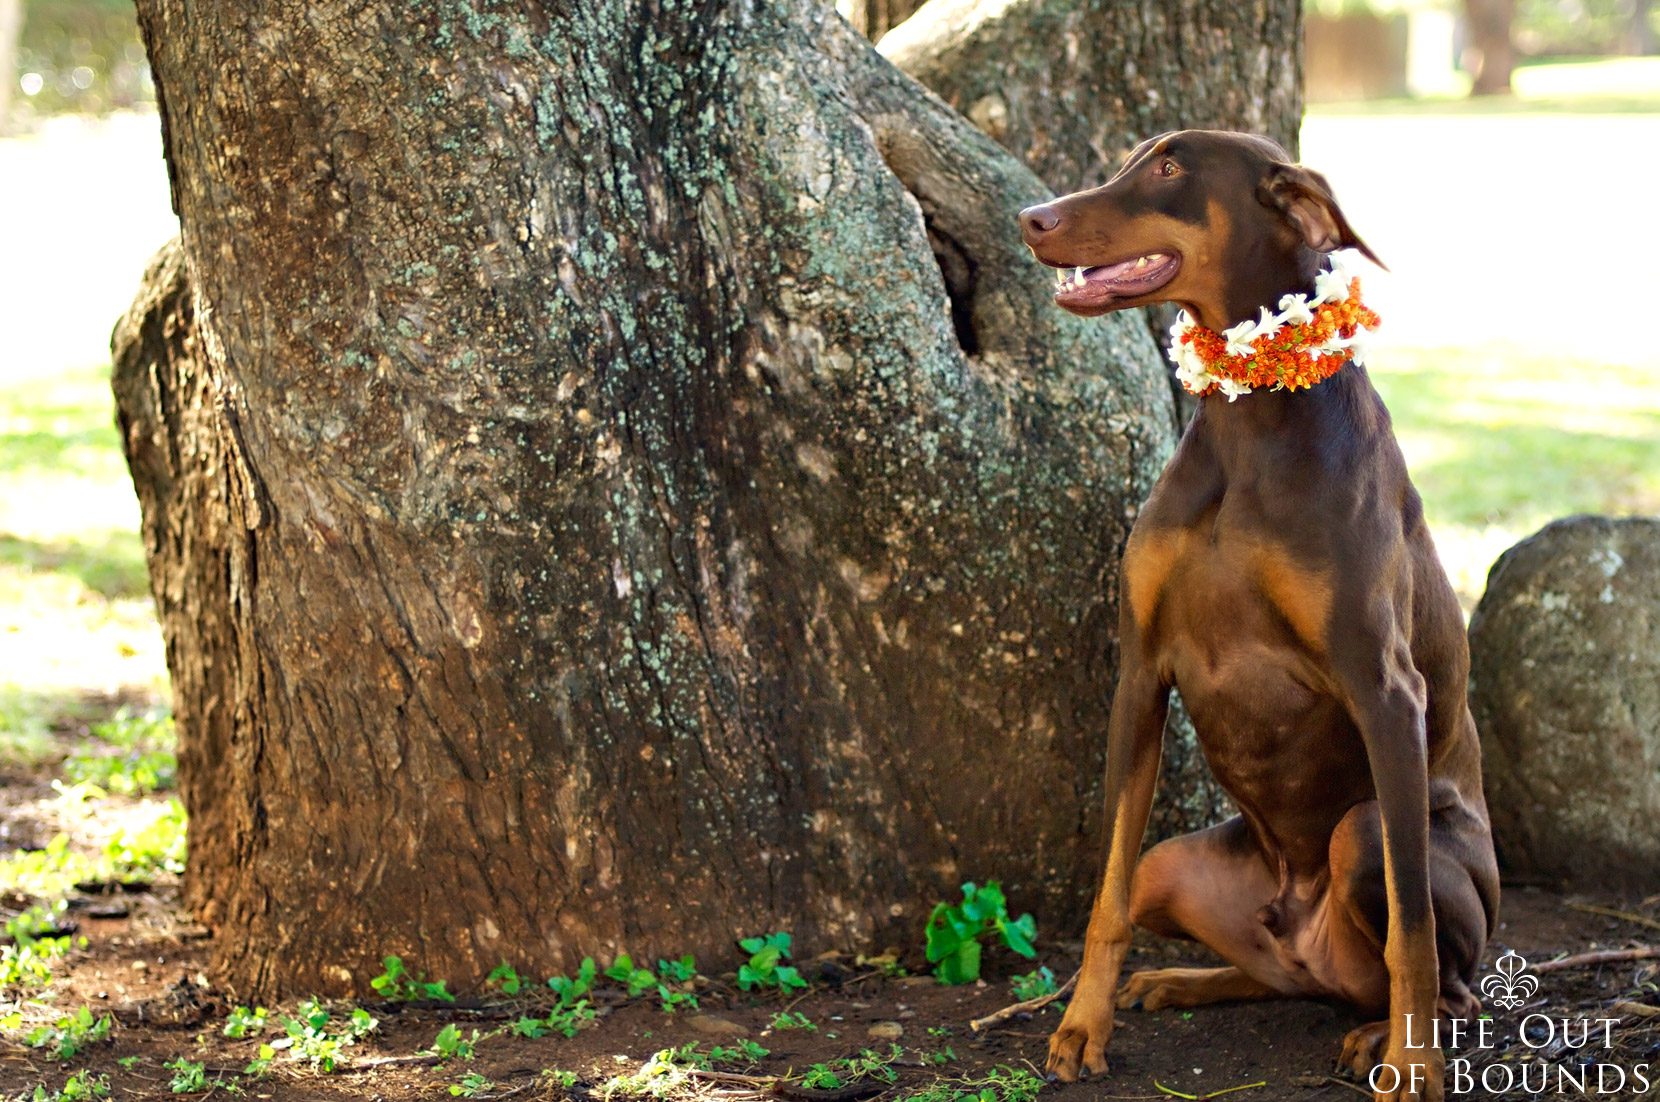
(1168, 167)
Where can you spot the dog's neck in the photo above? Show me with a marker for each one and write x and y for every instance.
(1288, 436)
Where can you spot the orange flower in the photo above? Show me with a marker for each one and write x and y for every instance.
(1291, 357)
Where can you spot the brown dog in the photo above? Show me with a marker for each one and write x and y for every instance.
(1282, 576)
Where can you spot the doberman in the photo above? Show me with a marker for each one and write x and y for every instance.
(1282, 576)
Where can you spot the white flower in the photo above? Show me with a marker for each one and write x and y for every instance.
(1190, 369)
(1357, 347)
(1181, 325)
(1239, 338)
(1294, 310)
(1233, 388)
(1331, 286)
(1268, 324)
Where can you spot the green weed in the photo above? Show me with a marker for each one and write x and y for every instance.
(35, 921)
(954, 932)
(868, 1065)
(764, 968)
(451, 1045)
(472, 1085)
(157, 846)
(312, 1038)
(188, 1077)
(683, 970)
(27, 963)
(1034, 985)
(136, 757)
(572, 989)
(505, 977)
(674, 978)
(398, 984)
(69, 1035)
(567, 1021)
(939, 1056)
(260, 1064)
(44, 873)
(634, 980)
(1001, 1084)
(81, 1086)
(793, 1019)
(243, 1022)
(670, 1069)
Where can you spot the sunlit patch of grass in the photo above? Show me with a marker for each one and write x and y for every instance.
(75, 611)
(1501, 441)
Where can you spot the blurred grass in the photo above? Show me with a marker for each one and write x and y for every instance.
(1501, 441)
(76, 620)
(1603, 86)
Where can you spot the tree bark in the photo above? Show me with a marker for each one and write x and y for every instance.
(1070, 86)
(612, 479)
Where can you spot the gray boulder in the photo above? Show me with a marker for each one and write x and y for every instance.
(1565, 686)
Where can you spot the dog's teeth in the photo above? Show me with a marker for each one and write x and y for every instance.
(1079, 275)
(1141, 262)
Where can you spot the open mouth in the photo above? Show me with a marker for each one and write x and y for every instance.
(1092, 289)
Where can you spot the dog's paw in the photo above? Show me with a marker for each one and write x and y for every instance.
(1362, 1049)
(1393, 1073)
(1080, 1044)
(1153, 989)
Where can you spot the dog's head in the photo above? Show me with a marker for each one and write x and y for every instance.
(1217, 221)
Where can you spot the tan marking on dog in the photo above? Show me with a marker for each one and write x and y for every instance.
(1147, 565)
(1301, 595)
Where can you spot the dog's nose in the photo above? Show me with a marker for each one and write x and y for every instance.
(1037, 221)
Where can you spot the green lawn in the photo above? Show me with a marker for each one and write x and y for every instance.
(1501, 441)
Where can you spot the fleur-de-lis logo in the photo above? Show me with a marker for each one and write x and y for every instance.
(1509, 986)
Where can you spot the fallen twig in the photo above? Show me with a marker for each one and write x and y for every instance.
(1038, 1003)
(1610, 912)
(1603, 956)
(1625, 1008)
(1174, 1093)
(357, 1067)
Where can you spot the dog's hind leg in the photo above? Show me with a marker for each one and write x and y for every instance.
(1158, 988)
(1212, 887)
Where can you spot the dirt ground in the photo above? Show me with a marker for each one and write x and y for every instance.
(144, 965)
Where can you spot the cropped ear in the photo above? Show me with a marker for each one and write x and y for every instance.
(1305, 200)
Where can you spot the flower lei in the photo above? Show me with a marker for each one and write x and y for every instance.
(1306, 343)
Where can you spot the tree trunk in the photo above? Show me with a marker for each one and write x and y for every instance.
(1070, 86)
(1639, 39)
(613, 480)
(1490, 57)
(875, 18)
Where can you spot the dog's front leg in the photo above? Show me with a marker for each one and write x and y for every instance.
(1386, 698)
(1134, 737)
